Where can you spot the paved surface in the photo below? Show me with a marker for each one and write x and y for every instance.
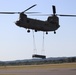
(50, 71)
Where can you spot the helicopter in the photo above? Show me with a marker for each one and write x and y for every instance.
(51, 24)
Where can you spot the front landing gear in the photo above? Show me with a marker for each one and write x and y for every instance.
(28, 31)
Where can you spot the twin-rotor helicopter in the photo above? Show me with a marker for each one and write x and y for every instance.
(51, 24)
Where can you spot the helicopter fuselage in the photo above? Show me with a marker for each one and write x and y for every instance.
(52, 23)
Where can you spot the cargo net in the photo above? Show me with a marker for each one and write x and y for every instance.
(35, 55)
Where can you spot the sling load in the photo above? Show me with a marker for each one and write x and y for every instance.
(35, 50)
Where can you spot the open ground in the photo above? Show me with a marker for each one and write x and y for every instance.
(46, 69)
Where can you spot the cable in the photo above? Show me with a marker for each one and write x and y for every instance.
(43, 44)
(34, 44)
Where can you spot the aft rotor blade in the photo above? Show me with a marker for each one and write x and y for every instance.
(66, 15)
(30, 8)
(52, 14)
(54, 9)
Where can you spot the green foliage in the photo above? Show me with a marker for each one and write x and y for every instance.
(39, 61)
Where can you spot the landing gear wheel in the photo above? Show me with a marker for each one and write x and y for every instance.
(54, 32)
(46, 32)
(35, 30)
(28, 31)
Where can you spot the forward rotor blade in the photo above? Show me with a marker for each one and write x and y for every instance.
(30, 8)
(31, 12)
(20, 12)
(17, 12)
(9, 12)
(54, 9)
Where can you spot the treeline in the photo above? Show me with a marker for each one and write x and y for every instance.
(40, 61)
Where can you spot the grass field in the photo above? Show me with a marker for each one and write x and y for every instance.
(46, 69)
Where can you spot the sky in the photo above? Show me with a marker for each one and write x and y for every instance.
(17, 44)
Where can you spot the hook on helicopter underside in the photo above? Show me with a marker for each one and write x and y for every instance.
(54, 32)
(36, 31)
(29, 30)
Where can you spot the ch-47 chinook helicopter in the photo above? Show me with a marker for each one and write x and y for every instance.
(51, 24)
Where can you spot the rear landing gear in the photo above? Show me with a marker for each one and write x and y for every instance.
(54, 32)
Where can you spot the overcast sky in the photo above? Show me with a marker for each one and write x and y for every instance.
(17, 44)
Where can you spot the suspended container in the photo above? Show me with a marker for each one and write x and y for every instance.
(39, 56)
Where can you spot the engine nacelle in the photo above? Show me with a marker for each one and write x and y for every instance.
(53, 19)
